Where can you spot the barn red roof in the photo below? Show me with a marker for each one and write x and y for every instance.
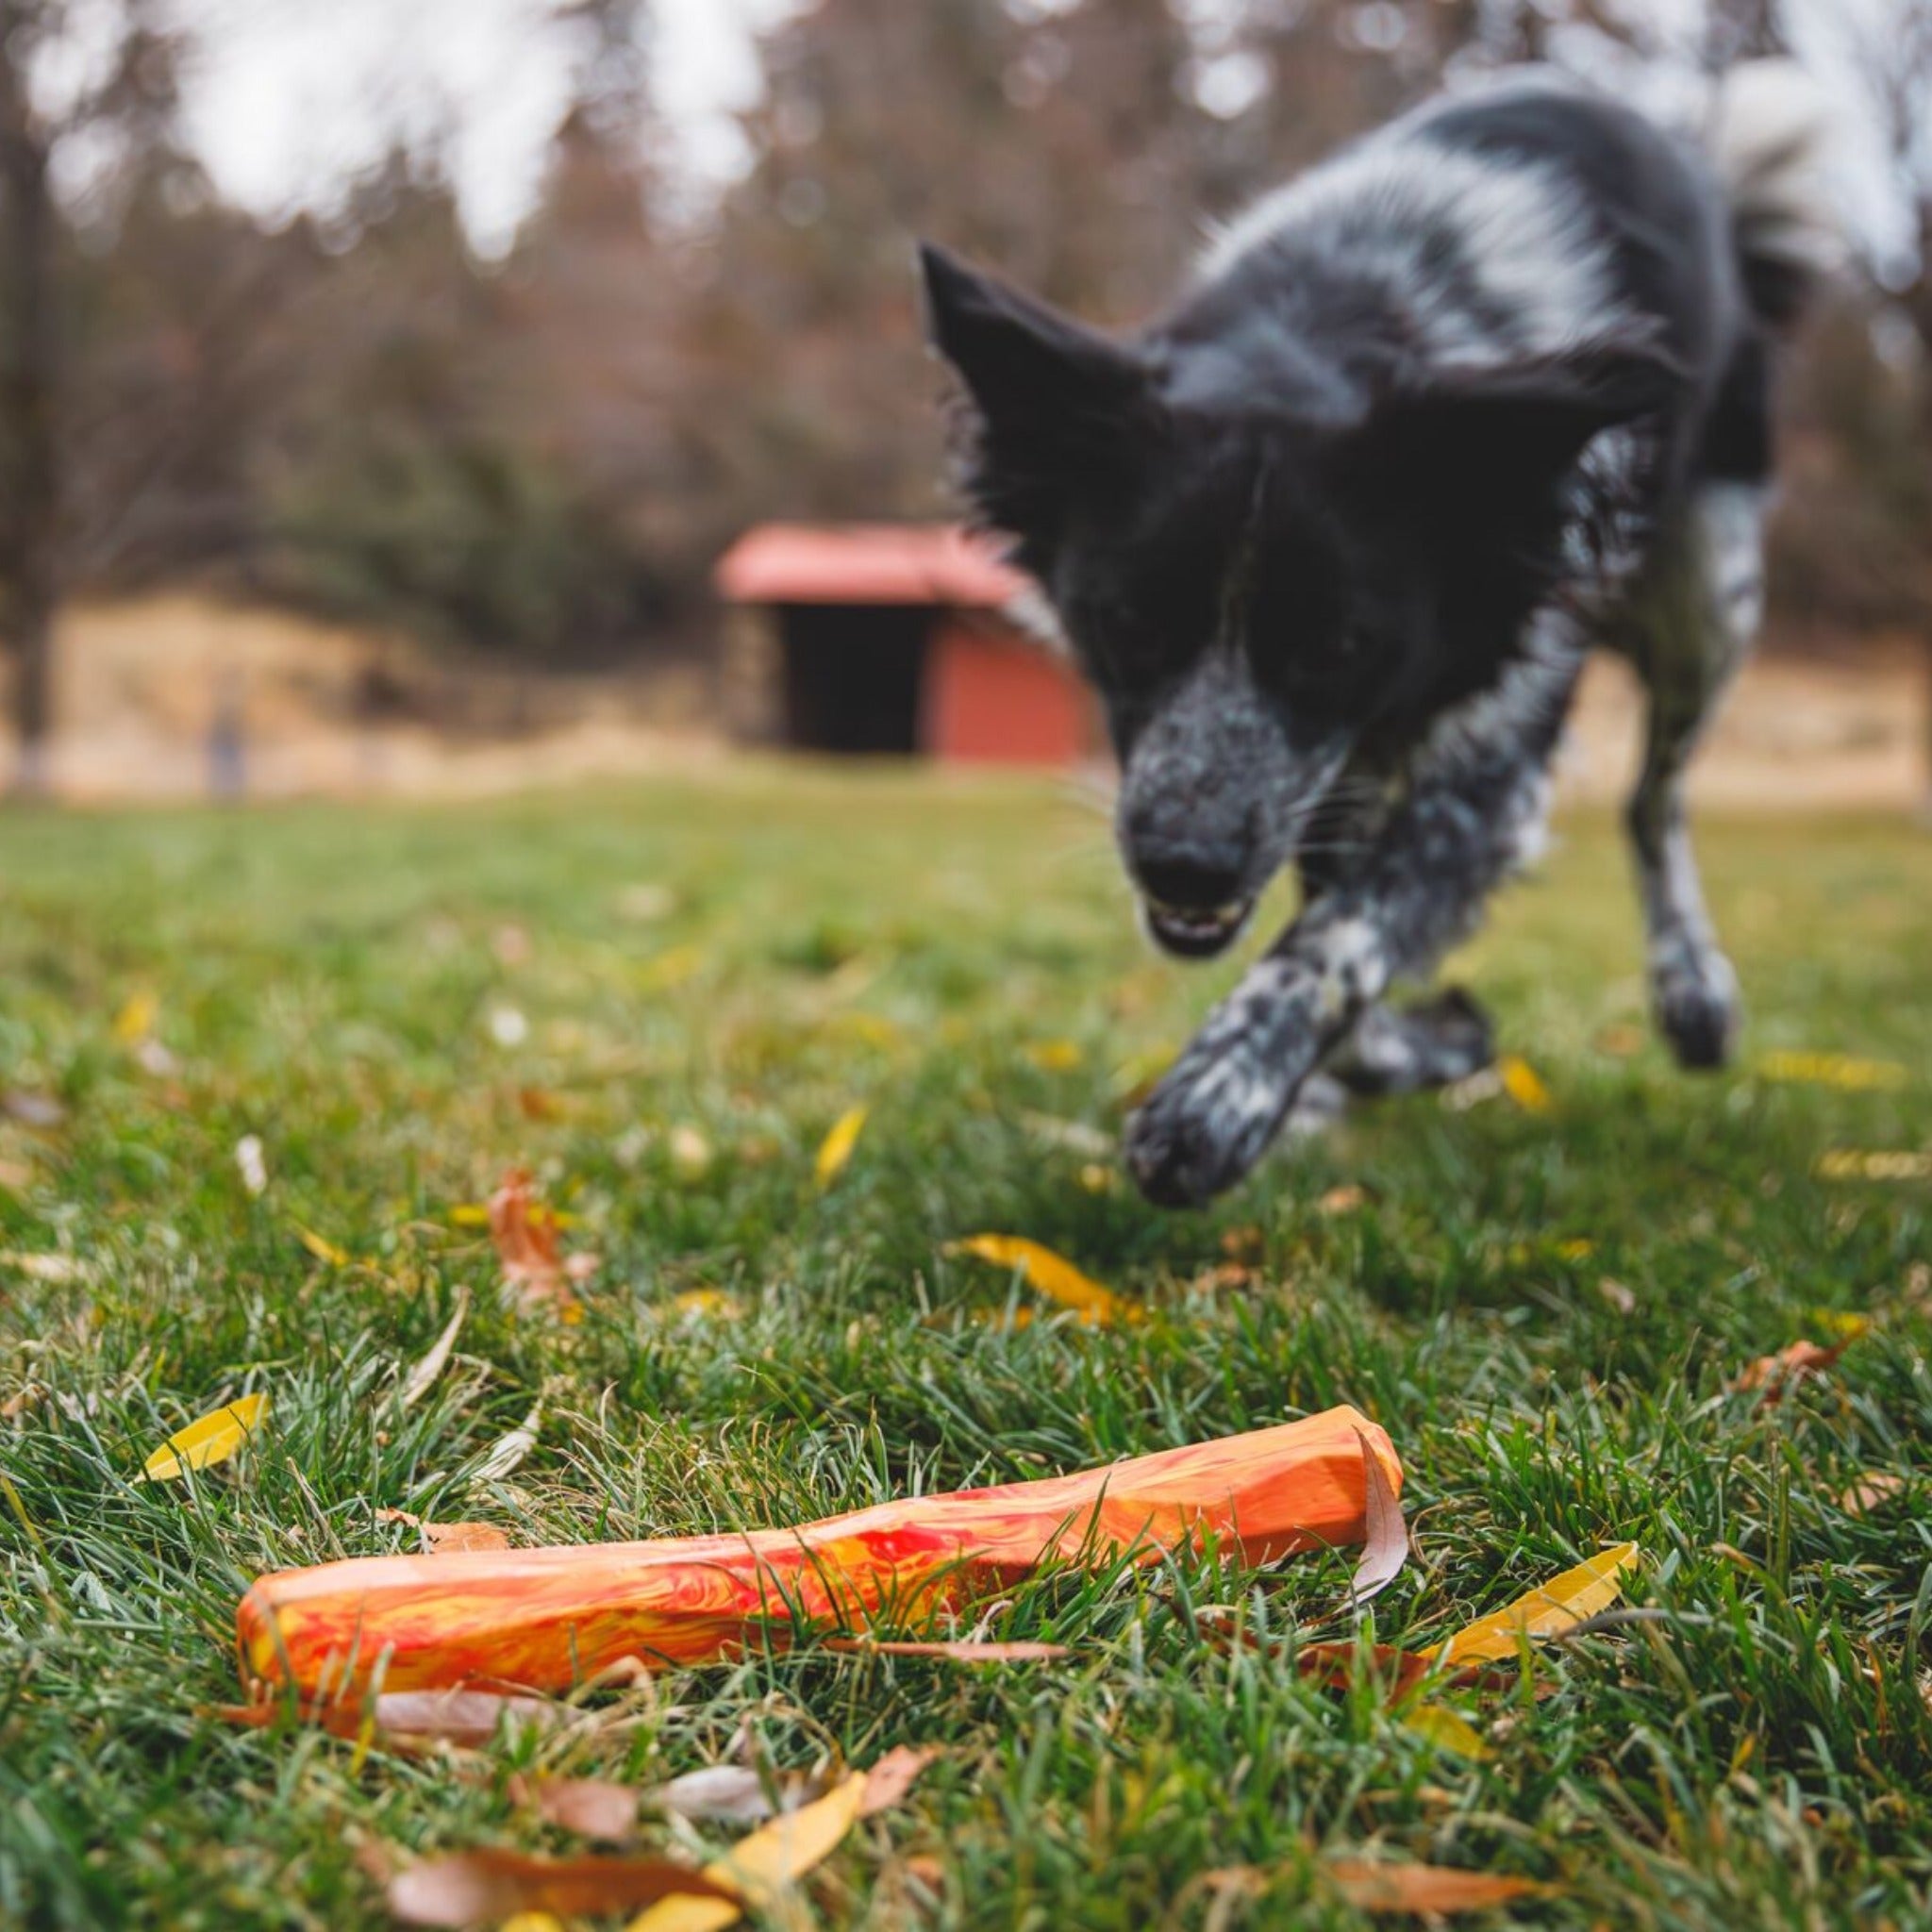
(866, 563)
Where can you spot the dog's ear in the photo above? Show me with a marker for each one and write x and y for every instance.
(1055, 405)
(1516, 426)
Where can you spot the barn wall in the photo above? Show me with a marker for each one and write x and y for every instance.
(993, 698)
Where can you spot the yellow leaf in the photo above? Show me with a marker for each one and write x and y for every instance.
(468, 1214)
(759, 1867)
(210, 1439)
(708, 1301)
(1832, 1070)
(671, 969)
(136, 1020)
(1054, 1056)
(1890, 1164)
(837, 1149)
(1524, 1085)
(1436, 1723)
(1558, 1604)
(1054, 1277)
(322, 1248)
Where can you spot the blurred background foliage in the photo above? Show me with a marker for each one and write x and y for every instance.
(541, 453)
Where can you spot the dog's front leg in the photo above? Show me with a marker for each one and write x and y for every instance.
(1474, 809)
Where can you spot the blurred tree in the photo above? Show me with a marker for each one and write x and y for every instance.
(82, 88)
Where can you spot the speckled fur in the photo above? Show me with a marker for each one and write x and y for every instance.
(1334, 535)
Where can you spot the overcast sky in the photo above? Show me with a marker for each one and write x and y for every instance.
(288, 99)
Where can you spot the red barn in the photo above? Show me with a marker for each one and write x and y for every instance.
(895, 638)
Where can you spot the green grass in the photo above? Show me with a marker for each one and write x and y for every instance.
(1757, 1754)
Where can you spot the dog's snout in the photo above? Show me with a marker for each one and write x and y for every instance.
(1191, 874)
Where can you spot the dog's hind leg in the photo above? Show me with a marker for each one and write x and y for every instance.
(1693, 630)
(1433, 1042)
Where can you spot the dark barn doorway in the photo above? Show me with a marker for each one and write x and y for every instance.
(853, 676)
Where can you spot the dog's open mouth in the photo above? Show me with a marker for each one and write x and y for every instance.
(1190, 933)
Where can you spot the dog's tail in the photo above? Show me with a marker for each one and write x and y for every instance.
(1771, 137)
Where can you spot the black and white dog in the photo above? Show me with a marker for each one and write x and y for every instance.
(1334, 536)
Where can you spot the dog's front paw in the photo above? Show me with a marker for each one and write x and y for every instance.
(1208, 1122)
(1698, 1009)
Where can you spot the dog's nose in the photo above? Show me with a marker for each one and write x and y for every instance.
(1193, 876)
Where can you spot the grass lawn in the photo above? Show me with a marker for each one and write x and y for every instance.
(1546, 1310)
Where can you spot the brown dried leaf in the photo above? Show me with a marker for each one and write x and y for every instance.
(412, 1720)
(1872, 1491)
(1420, 1889)
(587, 1805)
(1777, 1374)
(967, 1650)
(449, 1539)
(483, 1886)
(1343, 1200)
(524, 1232)
(888, 1781)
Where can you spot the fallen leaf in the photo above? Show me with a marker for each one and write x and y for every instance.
(671, 969)
(708, 1301)
(1832, 1070)
(1620, 1041)
(1559, 1605)
(691, 1154)
(838, 1145)
(1133, 1078)
(1248, 1246)
(727, 1794)
(55, 1269)
(1871, 1491)
(423, 1376)
(151, 1057)
(37, 1110)
(1776, 1375)
(1054, 1277)
(208, 1439)
(1438, 1724)
(965, 1650)
(894, 1774)
(646, 900)
(1344, 1200)
(449, 1539)
(1424, 1890)
(1097, 1179)
(250, 1165)
(523, 1232)
(1054, 1056)
(321, 1249)
(1851, 1164)
(477, 1888)
(1524, 1085)
(1617, 1295)
(1076, 1136)
(754, 1873)
(506, 1453)
(507, 1026)
(587, 1805)
(1334, 1665)
(15, 1176)
(1385, 1549)
(538, 1104)
(414, 1719)
(136, 1020)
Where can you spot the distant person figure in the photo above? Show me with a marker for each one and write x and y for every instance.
(227, 740)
